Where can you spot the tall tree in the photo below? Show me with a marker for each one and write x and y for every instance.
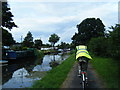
(54, 38)
(87, 29)
(7, 20)
(28, 40)
(7, 38)
(76, 39)
(114, 40)
(38, 43)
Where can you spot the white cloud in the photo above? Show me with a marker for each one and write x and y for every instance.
(67, 35)
(43, 19)
(63, 0)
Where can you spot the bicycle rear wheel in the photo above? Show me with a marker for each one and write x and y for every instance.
(84, 81)
(84, 85)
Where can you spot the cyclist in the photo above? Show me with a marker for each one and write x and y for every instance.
(82, 56)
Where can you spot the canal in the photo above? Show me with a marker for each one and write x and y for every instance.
(23, 74)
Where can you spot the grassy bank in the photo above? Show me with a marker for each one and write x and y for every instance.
(107, 68)
(57, 75)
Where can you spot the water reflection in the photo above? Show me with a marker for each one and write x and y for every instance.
(25, 75)
(7, 71)
(45, 66)
(20, 80)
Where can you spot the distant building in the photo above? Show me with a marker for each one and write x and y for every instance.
(49, 48)
(45, 48)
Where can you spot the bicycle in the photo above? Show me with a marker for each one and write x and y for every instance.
(83, 73)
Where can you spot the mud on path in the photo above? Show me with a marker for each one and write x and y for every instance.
(73, 81)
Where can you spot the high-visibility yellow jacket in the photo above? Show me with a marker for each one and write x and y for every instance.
(82, 51)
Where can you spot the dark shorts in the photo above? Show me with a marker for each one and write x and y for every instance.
(83, 62)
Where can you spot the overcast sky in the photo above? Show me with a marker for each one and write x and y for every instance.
(45, 18)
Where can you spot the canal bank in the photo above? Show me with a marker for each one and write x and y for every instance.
(28, 73)
(55, 77)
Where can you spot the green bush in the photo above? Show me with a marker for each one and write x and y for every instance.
(115, 42)
(109, 46)
(98, 46)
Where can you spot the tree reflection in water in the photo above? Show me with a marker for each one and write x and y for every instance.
(20, 75)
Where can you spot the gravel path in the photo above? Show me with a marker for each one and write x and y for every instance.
(73, 81)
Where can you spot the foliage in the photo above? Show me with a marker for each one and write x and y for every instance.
(54, 38)
(72, 46)
(114, 43)
(76, 39)
(28, 40)
(39, 56)
(7, 20)
(7, 38)
(99, 46)
(107, 46)
(64, 45)
(38, 43)
(46, 45)
(87, 29)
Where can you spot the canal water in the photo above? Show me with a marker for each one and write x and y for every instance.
(24, 74)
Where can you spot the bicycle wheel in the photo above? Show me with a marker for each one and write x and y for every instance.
(83, 85)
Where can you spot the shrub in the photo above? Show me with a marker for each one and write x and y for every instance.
(115, 42)
(98, 46)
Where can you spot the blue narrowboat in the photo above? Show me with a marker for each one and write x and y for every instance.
(11, 54)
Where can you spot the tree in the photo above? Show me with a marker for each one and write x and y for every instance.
(28, 40)
(114, 40)
(38, 43)
(7, 38)
(64, 45)
(99, 46)
(76, 39)
(87, 29)
(7, 20)
(54, 38)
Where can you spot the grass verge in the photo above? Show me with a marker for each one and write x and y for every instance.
(57, 75)
(107, 68)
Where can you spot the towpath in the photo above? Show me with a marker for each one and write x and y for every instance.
(73, 81)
